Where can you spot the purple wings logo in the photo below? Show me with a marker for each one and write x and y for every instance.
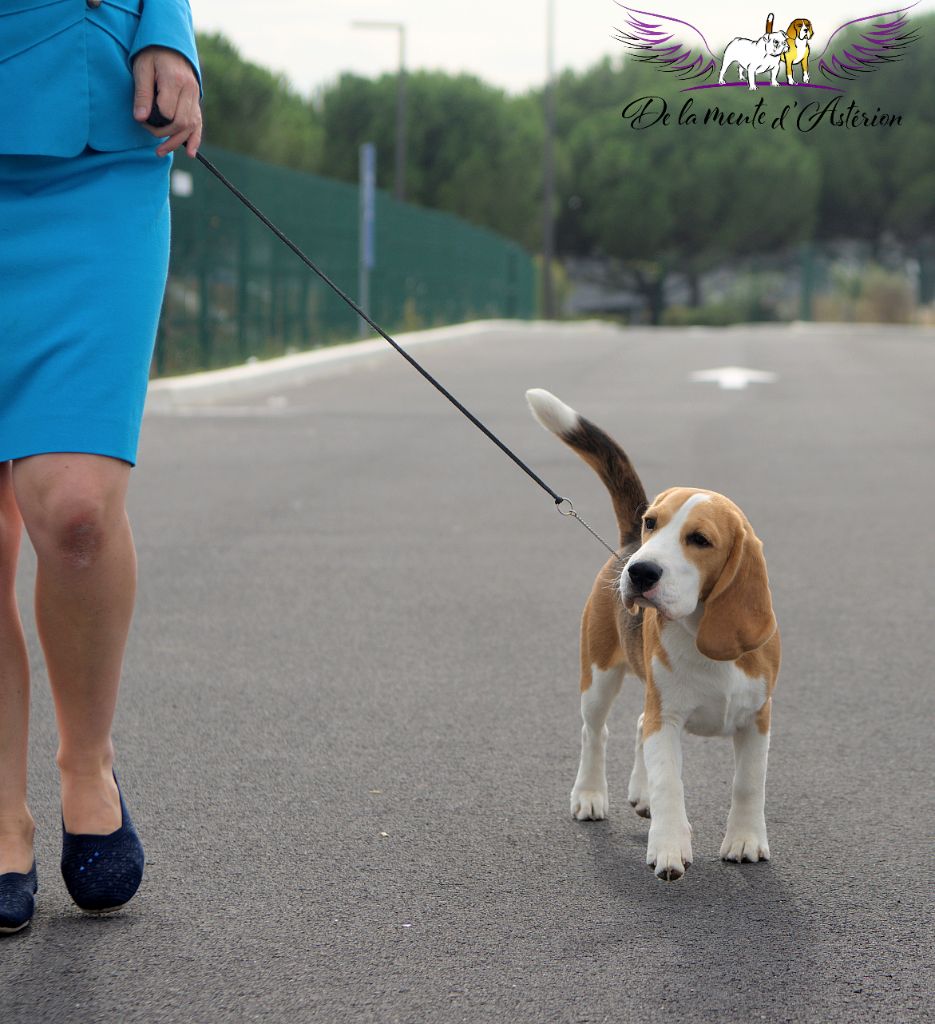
(855, 48)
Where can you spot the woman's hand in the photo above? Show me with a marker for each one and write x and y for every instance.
(157, 69)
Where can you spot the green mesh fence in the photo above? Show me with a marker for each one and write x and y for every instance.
(235, 291)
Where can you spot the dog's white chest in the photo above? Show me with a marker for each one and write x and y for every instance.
(709, 698)
(723, 713)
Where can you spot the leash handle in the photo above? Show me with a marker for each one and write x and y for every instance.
(156, 117)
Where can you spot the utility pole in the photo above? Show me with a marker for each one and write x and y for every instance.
(548, 168)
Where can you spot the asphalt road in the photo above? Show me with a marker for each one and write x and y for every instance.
(349, 722)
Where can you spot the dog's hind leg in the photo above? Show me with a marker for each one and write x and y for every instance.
(638, 792)
(589, 797)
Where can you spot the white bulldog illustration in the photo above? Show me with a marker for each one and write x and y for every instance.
(754, 56)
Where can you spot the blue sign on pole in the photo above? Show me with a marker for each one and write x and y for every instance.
(368, 184)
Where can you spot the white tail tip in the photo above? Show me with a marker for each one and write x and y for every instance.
(551, 412)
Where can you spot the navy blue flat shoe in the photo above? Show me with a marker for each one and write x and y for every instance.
(17, 900)
(102, 873)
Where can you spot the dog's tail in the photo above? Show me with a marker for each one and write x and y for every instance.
(770, 19)
(601, 453)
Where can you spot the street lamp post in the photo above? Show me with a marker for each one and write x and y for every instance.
(399, 184)
(548, 168)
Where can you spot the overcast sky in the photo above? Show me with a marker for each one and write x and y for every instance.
(501, 41)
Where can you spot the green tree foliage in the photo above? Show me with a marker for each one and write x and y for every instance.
(886, 187)
(250, 110)
(468, 145)
(704, 192)
(680, 198)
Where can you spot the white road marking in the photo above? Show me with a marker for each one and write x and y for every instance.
(733, 378)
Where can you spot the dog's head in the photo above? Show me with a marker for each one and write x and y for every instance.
(774, 44)
(801, 28)
(699, 553)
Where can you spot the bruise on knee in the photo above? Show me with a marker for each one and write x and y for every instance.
(79, 540)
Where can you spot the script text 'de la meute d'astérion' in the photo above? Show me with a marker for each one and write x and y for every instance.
(653, 111)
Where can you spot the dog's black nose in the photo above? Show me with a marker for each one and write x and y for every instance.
(645, 575)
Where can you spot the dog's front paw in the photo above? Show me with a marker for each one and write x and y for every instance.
(589, 804)
(745, 843)
(805, 78)
(669, 853)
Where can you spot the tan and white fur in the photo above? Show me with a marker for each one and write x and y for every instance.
(686, 607)
(798, 33)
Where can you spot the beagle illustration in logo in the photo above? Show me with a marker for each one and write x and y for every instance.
(798, 35)
(754, 56)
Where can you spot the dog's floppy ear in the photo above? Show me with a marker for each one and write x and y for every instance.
(738, 612)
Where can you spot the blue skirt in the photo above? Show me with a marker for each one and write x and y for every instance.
(84, 254)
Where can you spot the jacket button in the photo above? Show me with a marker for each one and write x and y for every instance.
(95, 3)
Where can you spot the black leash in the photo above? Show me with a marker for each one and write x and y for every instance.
(557, 498)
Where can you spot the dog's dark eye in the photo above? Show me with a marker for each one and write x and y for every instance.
(698, 539)
(650, 522)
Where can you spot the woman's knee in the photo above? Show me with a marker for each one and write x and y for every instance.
(72, 528)
(70, 515)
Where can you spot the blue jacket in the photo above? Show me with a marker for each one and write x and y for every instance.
(65, 70)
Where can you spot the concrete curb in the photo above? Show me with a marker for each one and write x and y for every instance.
(169, 393)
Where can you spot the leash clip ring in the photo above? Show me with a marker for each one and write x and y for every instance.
(572, 514)
(570, 511)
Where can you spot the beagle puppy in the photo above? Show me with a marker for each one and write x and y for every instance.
(798, 34)
(686, 608)
(755, 55)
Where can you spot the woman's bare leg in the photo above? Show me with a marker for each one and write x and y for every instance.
(16, 823)
(73, 506)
